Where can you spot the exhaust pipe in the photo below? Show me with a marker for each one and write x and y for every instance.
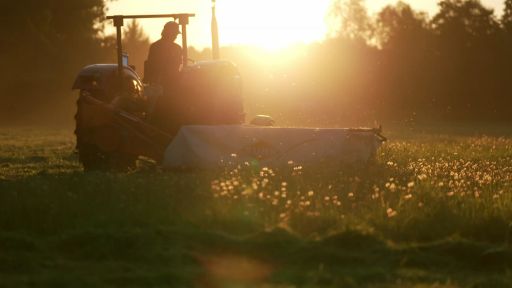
(215, 34)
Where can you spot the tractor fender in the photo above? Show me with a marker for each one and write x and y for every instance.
(102, 82)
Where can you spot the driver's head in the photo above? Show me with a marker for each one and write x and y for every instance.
(171, 30)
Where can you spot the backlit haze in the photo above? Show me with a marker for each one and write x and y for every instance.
(270, 24)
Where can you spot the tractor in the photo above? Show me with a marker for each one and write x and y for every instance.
(115, 107)
(116, 112)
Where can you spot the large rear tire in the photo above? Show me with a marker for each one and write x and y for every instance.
(92, 157)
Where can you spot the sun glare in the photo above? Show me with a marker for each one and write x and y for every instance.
(271, 24)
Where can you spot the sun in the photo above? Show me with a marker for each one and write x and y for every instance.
(271, 24)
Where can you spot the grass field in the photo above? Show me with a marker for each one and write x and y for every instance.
(434, 211)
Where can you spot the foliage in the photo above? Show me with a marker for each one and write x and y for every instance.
(401, 25)
(44, 45)
(506, 18)
(350, 20)
(397, 65)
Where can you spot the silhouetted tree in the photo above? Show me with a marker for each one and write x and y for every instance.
(44, 43)
(405, 39)
(467, 46)
(399, 25)
(455, 66)
(349, 19)
(463, 21)
(506, 18)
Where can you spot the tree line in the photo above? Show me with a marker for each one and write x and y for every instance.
(454, 65)
(399, 64)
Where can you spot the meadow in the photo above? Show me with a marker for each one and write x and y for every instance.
(434, 210)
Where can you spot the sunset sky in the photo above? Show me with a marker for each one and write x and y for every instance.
(271, 24)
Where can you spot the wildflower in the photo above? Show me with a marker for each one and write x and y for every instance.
(408, 196)
(311, 193)
(410, 184)
(391, 212)
(422, 177)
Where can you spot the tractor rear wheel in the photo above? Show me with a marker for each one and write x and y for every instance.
(92, 157)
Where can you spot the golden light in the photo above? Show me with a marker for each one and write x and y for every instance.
(271, 24)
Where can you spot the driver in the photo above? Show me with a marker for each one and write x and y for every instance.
(164, 58)
(162, 69)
